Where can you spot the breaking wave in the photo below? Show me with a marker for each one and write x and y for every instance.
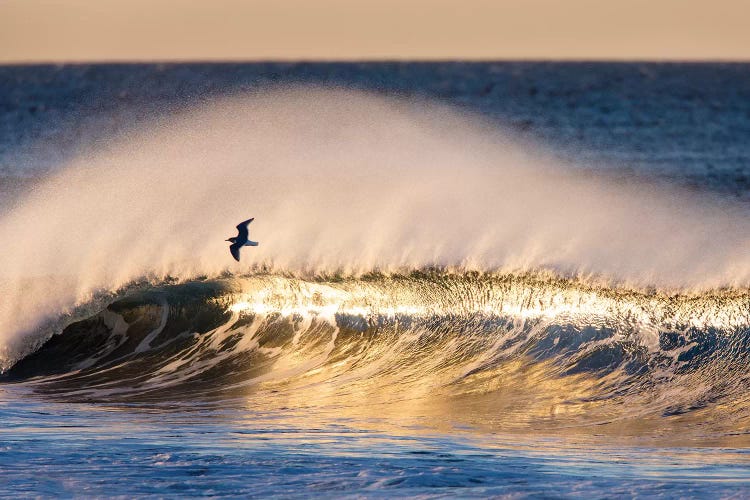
(408, 253)
(527, 350)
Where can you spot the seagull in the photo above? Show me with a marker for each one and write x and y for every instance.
(241, 240)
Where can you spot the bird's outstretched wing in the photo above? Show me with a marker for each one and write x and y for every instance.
(242, 229)
(234, 249)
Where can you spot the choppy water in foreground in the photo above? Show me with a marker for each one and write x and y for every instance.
(94, 450)
(430, 382)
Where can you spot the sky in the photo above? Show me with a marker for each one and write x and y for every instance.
(175, 30)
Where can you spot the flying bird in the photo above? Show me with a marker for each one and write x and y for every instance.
(241, 240)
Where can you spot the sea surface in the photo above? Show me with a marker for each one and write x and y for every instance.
(523, 280)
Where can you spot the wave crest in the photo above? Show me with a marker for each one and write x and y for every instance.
(590, 353)
(344, 182)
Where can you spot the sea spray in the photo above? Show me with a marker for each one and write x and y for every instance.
(344, 182)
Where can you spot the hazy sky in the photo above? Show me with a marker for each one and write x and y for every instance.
(109, 30)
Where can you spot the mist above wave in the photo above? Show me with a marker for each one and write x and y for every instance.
(341, 181)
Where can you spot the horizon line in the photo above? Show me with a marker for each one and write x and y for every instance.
(374, 60)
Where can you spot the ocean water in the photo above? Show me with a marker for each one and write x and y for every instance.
(473, 280)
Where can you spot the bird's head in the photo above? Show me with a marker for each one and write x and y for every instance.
(232, 239)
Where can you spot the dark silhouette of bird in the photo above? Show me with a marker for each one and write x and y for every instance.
(241, 240)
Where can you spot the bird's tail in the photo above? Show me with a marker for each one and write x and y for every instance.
(251, 243)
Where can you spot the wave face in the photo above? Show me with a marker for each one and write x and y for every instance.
(341, 182)
(512, 351)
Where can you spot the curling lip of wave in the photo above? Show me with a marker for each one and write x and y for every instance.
(526, 341)
(400, 185)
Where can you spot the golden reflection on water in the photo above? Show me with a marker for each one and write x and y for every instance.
(404, 357)
(520, 399)
(442, 386)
